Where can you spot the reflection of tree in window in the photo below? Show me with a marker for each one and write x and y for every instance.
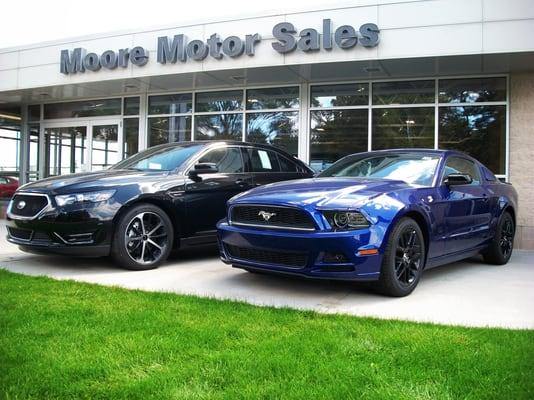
(335, 134)
(273, 98)
(168, 130)
(276, 128)
(403, 127)
(218, 127)
(340, 95)
(478, 131)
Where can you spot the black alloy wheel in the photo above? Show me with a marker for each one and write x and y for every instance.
(408, 256)
(404, 259)
(500, 248)
(143, 238)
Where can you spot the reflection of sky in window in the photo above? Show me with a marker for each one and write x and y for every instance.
(9, 149)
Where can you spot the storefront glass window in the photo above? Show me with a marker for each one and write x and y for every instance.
(219, 101)
(219, 127)
(335, 134)
(395, 128)
(170, 104)
(355, 94)
(276, 128)
(87, 108)
(472, 90)
(33, 169)
(105, 150)
(403, 92)
(168, 129)
(273, 98)
(10, 139)
(476, 130)
(131, 106)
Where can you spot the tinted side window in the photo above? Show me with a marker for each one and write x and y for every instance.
(459, 165)
(263, 160)
(286, 165)
(227, 159)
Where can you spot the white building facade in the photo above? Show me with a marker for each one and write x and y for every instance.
(321, 84)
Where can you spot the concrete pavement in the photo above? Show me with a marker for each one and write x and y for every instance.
(464, 293)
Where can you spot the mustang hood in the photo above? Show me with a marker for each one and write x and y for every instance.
(321, 192)
(86, 181)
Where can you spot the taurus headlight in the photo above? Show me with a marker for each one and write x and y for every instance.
(340, 220)
(89, 197)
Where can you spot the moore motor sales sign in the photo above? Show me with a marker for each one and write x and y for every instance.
(180, 49)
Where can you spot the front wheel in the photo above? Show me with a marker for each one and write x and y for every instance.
(143, 238)
(500, 249)
(403, 260)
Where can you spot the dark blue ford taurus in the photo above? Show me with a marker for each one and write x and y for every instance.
(381, 216)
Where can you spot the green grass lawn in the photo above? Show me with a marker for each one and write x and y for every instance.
(60, 339)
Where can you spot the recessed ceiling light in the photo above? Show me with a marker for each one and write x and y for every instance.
(130, 86)
(238, 78)
(44, 95)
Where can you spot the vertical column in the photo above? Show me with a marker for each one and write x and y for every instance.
(24, 148)
(304, 124)
(436, 113)
(143, 121)
(370, 118)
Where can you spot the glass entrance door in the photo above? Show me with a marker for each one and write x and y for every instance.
(81, 146)
(65, 150)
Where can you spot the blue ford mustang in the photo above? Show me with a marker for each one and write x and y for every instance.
(381, 216)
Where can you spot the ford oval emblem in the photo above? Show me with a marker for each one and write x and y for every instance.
(21, 204)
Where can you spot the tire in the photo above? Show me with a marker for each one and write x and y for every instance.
(143, 238)
(500, 249)
(404, 259)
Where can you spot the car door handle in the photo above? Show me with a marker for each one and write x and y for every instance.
(485, 197)
(242, 183)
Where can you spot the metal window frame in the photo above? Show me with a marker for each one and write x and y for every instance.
(436, 105)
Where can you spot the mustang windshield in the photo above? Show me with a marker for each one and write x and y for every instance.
(412, 168)
(166, 158)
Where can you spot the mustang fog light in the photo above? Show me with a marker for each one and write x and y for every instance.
(334, 258)
(346, 220)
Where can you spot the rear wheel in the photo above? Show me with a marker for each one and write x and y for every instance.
(143, 238)
(500, 249)
(403, 260)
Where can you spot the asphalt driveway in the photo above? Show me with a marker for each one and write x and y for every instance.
(465, 293)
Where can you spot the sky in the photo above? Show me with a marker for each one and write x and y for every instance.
(33, 21)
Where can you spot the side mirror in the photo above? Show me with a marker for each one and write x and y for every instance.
(204, 168)
(457, 179)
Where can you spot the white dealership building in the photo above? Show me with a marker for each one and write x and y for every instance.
(452, 74)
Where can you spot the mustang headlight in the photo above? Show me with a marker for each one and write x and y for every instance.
(340, 220)
(89, 197)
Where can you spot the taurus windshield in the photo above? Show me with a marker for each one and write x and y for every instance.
(412, 168)
(163, 158)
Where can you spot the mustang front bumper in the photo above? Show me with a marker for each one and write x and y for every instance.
(318, 254)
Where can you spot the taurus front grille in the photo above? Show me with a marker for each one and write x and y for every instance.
(271, 217)
(28, 206)
(286, 259)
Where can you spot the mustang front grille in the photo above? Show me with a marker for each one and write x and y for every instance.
(271, 217)
(286, 259)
